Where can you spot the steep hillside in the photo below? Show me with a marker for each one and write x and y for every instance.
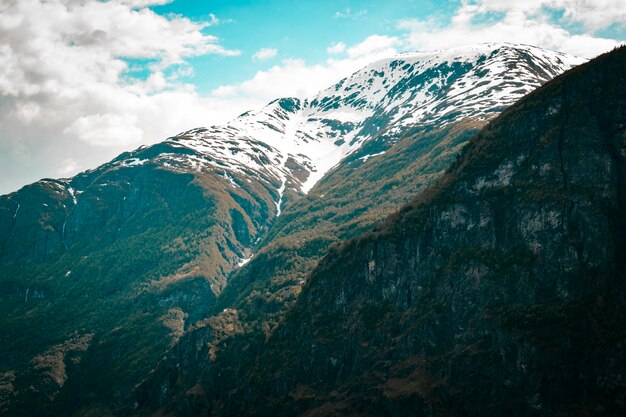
(383, 174)
(123, 258)
(417, 110)
(103, 273)
(500, 291)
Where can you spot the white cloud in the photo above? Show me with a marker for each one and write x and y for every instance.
(106, 129)
(68, 167)
(282, 80)
(145, 3)
(66, 83)
(375, 45)
(596, 14)
(348, 13)
(213, 20)
(336, 48)
(68, 99)
(533, 22)
(265, 53)
(592, 14)
(295, 78)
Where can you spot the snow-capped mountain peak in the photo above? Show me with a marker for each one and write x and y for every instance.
(292, 143)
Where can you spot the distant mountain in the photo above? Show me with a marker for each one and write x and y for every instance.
(103, 273)
(498, 291)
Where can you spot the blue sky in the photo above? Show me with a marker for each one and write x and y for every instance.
(305, 29)
(297, 29)
(84, 80)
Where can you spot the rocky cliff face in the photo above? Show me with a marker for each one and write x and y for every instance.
(500, 291)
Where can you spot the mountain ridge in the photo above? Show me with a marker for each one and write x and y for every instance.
(335, 111)
(498, 291)
(148, 243)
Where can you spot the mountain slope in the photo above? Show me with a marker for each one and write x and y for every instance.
(126, 257)
(395, 94)
(103, 273)
(386, 172)
(500, 291)
(408, 126)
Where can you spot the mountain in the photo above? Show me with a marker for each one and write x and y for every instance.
(369, 184)
(306, 138)
(411, 113)
(104, 273)
(497, 291)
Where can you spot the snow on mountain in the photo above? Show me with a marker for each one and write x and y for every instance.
(291, 143)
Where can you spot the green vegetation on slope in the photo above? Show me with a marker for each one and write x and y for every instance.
(94, 293)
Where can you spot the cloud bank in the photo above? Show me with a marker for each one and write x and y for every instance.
(83, 80)
(561, 25)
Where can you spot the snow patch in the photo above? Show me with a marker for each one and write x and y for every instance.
(275, 143)
(279, 203)
(132, 162)
(244, 261)
(73, 194)
(366, 157)
(231, 180)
